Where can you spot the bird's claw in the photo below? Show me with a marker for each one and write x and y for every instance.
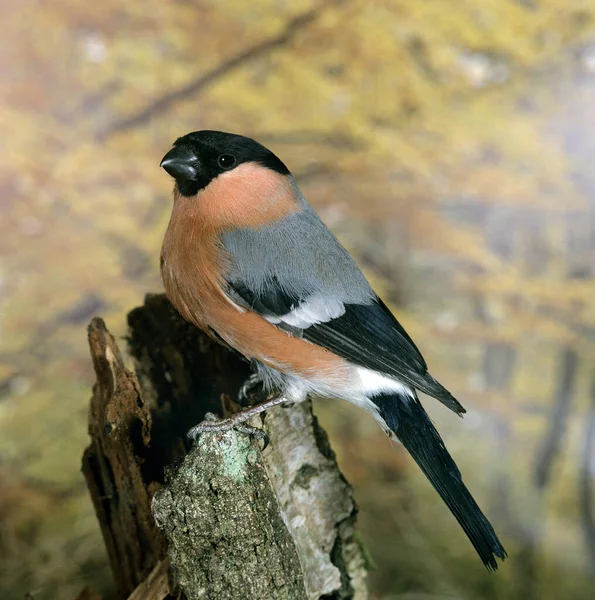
(255, 432)
(212, 423)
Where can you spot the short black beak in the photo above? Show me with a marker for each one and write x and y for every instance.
(181, 163)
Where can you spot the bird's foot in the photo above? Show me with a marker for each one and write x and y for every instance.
(213, 423)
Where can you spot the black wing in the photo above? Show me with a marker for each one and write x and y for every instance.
(366, 334)
(370, 336)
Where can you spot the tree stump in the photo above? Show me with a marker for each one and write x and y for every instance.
(221, 519)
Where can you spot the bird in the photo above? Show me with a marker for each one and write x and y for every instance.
(246, 259)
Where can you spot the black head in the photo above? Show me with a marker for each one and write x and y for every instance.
(198, 157)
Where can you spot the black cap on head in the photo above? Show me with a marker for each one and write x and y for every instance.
(198, 157)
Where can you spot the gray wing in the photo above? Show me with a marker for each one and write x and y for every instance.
(301, 255)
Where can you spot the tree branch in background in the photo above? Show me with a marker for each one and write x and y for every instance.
(561, 411)
(163, 103)
(587, 468)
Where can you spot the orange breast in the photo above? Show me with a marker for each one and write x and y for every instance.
(193, 259)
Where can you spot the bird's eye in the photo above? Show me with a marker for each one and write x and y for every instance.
(226, 161)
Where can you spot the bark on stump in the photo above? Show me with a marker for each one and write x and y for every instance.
(234, 521)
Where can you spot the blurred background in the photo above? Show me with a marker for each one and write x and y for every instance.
(448, 143)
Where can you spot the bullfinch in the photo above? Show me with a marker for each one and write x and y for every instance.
(246, 259)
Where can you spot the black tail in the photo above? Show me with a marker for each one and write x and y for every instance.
(406, 417)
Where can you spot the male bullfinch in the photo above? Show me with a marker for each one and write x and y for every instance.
(246, 259)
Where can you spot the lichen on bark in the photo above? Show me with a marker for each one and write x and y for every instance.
(226, 534)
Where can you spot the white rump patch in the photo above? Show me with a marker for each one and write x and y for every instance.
(373, 383)
(314, 309)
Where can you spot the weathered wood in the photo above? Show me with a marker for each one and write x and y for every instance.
(239, 522)
(115, 465)
(155, 586)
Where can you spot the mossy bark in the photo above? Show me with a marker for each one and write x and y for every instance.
(225, 529)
